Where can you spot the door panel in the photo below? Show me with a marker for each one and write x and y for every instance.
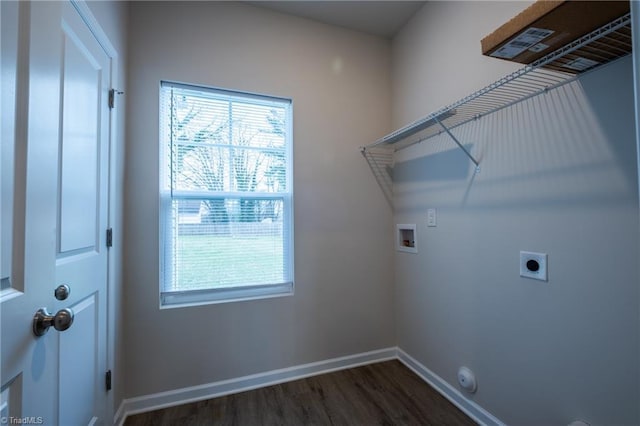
(59, 168)
(11, 398)
(14, 39)
(9, 43)
(79, 179)
(78, 358)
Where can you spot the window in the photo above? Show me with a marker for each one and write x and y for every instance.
(226, 195)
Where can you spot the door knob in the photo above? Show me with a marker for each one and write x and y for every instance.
(42, 320)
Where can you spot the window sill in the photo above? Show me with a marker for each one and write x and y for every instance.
(182, 299)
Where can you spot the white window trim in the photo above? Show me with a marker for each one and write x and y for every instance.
(179, 299)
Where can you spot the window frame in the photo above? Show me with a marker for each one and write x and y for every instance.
(196, 297)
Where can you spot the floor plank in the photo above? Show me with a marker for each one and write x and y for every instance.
(386, 393)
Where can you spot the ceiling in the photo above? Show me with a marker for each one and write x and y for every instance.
(381, 18)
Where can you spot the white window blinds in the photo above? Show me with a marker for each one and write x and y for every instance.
(226, 212)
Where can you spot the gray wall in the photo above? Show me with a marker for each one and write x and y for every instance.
(343, 261)
(559, 176)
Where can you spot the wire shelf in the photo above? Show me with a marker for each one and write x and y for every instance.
(607, 43)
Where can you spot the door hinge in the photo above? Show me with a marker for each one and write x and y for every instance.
(110, 237)
(107, 380)
(112, 97)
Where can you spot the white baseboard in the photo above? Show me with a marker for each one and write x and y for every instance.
(142, 404)
(120, 417)
(175, 397)
(467, 406)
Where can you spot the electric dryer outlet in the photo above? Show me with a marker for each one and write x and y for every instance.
(533, 265)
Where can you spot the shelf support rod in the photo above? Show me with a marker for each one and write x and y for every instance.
(458, 143)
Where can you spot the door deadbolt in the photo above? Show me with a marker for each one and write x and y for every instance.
(42, 320)
(62, 292)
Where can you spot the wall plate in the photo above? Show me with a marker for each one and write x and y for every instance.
(533, 265)
(432, 218)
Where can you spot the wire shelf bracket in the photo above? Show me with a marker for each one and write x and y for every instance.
(465, 150)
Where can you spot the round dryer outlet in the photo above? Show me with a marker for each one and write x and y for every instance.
(467, 380)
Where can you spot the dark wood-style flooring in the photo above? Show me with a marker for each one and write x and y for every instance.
(386, 393)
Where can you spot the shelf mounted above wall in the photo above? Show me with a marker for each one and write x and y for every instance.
(607, 43)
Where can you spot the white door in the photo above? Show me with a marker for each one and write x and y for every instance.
(55, 136)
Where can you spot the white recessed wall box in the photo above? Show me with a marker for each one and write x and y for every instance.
(407, 238)
(533, 265)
